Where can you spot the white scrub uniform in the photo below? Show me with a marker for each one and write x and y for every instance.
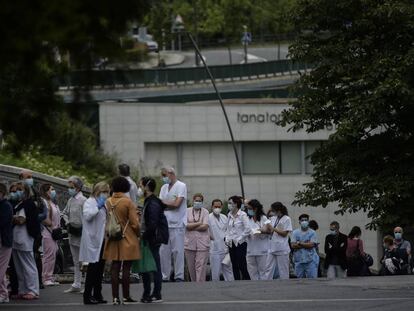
(257, 249)
(177, 221)
(218, 249)
(279, 249)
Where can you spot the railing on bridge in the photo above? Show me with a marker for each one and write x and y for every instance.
(176, 76)
(9, 174)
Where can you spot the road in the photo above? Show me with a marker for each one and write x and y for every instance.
(372, 293)
(221, 56)
(142, 93)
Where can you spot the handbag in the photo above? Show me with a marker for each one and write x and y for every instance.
(146, 263)
(367, 258)
(57, 233)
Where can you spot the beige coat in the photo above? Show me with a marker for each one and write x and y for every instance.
(129, 247)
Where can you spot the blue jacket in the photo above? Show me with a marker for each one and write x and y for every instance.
(6, 227)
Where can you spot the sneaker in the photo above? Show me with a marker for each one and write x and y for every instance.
(146, 300)
(128, 300)
(116, 301)
(4, 299)
(73, 290)
(156, 299)
(50, 283)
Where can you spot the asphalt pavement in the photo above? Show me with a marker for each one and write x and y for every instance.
(369, 293)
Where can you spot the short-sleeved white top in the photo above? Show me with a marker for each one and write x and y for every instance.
(177, 218)
(278, 243)
(258, 244)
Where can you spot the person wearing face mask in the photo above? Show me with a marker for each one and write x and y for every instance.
(72, 214)
(217, 223)
(258, 240)
(92, 242)
(238, 231)
(394, 260)
(197, 239)
(304, 242)
(154, 231)
(335, 250)
(403, 245)
(279, 249)
(26, 228)
(174, 195)
(48, 194)
(6, 240)
(26, 176)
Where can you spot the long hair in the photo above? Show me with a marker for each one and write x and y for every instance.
(278, 206)
(259, 208)
(355, 231)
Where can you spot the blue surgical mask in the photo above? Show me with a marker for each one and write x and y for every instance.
(53, 194)
(250, 212)
(398, 235)
(14, 196)
(166, 180)
(304, 224)
(19, 194)
(29, 182)
(101, 199)
(332, 232)
(197, 205)
(72, 192)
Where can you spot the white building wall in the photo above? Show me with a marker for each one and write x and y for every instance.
(193, 137)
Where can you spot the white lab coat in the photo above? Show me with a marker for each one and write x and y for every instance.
(93, 231)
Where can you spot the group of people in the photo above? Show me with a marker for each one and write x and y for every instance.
(27, 214)
(245, 244)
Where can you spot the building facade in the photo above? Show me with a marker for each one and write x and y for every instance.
(193, 138)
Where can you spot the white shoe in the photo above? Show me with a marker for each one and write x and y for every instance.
(72, 290)
(50, 283)
(4, 299)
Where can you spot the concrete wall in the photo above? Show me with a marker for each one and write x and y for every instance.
(153, 135)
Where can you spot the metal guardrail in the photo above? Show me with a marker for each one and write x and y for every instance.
(9, 174)
(176, 76)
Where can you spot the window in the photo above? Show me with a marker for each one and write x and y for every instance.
(291, 157)
(310, 147)
(208, 159)
(260, 158)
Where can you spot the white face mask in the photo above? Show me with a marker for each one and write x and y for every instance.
(217, 211)
(140, 192)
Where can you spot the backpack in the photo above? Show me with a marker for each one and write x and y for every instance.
(113, 228)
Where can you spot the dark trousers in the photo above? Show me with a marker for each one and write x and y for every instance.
(146, 277)
(238, 261)
(38, 257)
(93, 280)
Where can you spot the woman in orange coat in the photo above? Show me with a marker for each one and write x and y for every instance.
(122, 252)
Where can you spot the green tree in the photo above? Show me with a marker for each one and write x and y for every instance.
(363, 83)
(41, 39)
